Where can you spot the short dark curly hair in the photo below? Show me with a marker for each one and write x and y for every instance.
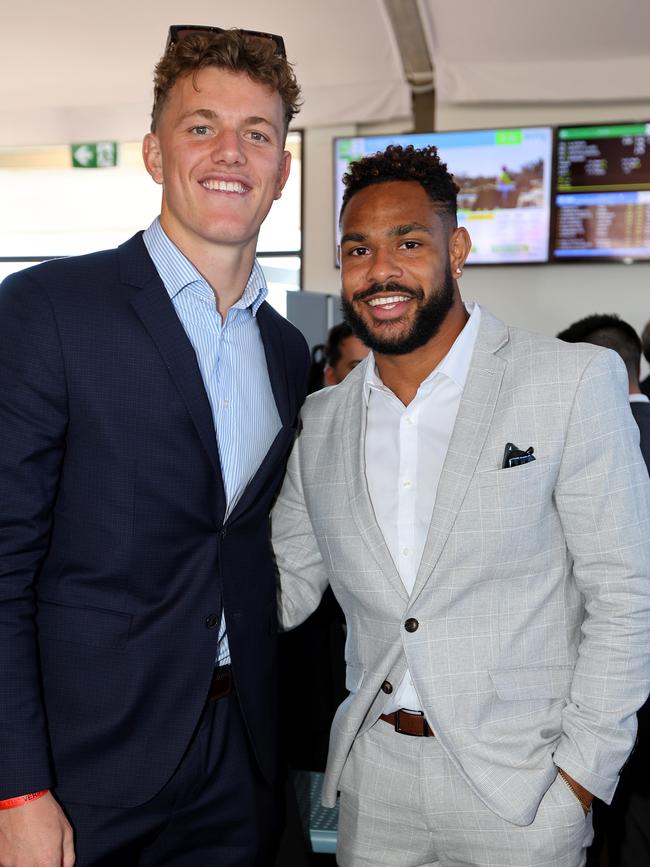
(609, 330)
(398, 163)
(233, 50)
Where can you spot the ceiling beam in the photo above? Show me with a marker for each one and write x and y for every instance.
(407, 26)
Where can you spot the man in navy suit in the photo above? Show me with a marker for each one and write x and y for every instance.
(148, 399)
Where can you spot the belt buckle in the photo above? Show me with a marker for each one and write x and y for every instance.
(398, 716)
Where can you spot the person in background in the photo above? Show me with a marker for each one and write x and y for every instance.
(332, 361)
(475, 496)
(610, 331)
(149, 396)
(343, 351)
(623, 830)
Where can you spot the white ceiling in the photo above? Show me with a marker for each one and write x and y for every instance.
(79, 70)
(536, 51)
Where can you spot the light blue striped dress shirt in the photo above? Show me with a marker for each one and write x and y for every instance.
(233, 366)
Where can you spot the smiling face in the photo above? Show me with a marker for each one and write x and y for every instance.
(218, 152)
(398, 261)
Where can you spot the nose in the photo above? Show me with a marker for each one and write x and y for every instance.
(227, 148)
(383, 266)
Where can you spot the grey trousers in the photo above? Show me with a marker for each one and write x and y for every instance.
(404, 804)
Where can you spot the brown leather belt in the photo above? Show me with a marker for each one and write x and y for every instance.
(409, 722)
(221, 683)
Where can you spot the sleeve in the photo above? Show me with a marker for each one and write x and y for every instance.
(603, 499)
(33, 421)
(301, 571)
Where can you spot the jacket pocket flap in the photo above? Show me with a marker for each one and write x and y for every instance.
(525, 684)
(95, 626)
(353, 677)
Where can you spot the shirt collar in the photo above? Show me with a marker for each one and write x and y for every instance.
(454, 365)
(177, 272)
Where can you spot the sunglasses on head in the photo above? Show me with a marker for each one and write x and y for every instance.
(180, 31)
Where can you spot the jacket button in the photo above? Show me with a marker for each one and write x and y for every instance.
(211, 621)
(411, 625)
(387, 687)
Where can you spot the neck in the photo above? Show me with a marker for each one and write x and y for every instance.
(404, 374)
(226, 267)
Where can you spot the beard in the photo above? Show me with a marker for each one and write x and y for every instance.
(428, 318)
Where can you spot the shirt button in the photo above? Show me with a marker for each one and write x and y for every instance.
(226, 404)
(411, 625)
(405, 552)
(387, 687)
(211, 621)
(406, 484)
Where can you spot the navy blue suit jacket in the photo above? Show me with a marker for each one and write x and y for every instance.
(114, 552)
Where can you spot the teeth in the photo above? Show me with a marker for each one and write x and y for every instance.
(225, 186)
(384, 302)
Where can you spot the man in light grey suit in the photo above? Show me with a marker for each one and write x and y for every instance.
(476, 498)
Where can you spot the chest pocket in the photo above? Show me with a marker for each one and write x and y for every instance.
(514, 498)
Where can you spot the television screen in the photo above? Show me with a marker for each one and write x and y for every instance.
(602, 193)
(505, 186)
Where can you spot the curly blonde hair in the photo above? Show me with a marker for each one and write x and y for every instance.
(234, 51)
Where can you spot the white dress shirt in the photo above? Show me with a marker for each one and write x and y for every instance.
(405, 450)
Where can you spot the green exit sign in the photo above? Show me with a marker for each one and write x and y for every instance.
(94, 155)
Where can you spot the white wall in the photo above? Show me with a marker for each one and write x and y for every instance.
(544, 298)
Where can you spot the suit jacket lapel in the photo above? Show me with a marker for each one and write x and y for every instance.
(277, 368)
(275, 362)
(156, 311)
(354, 452)
(470, 430)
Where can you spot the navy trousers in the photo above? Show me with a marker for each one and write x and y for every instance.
(216, 810)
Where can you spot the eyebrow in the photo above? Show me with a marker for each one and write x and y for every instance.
(353, 236)
(208, 114)
(395, 232)
(407, 228)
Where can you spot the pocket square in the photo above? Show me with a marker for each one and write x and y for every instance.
(513, 457)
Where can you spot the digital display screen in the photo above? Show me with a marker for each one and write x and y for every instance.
(602, 193)
(504, 177)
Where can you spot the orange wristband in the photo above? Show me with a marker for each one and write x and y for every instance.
(10, 803)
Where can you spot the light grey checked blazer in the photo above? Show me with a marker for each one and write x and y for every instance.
(533, 594)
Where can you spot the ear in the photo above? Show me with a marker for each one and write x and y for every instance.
(152, 156)
(460, 245)
(283, 174)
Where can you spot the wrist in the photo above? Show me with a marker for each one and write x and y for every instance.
(21, 800)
